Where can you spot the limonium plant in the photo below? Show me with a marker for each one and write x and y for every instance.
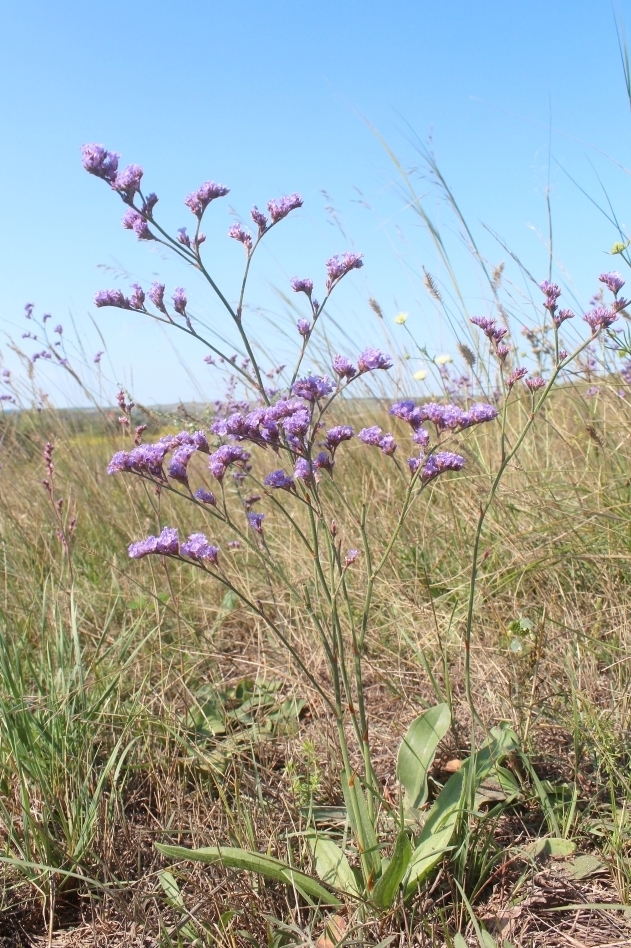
(280, 454)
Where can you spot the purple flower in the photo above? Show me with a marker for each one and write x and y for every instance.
(561, 316)
(205, 497)
(591, 391)
(281, 207)
(97, 357)
(98, 161)
(302, 470)
(323, 462)
(127, 182)
(618, 305)
(371, 359)
(219, 462)
(407, 411)
(237, 232)
(534, 383)
(302, 286)
(167, 544)
(341, 264)
(137, 298)
(421, 436)
(551, 292)
(120, 462)
(149, 203)
(59, 329)
(613, 281)
(197, 547)
(440, 462)
(344, 367)
(484, 323)
(371, 436)
(562, 355)
(297, 424)
(600, 318)
(148, 458)
(156, 295)
(502, 351)
(179, 300)
(304, 327)
(111, 298)
(199, 200)
(279, 480)
(143, 547)
(480, 412)
(255, 520)
(350, 558)
(28, 310)
(313, 387)
(259, 219)
(388, 445)
(336, 435)
(179, 463)
(515, 376)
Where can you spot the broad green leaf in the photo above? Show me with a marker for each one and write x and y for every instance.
(385, 892)
(417, 751)
(550, 846)
(435, 838)
(459, 941)
(332, 865)
(266, 866)
(364, 830)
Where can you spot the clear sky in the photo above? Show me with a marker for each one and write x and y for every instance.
(273, 97)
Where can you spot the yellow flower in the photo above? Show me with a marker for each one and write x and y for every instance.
(401, 318)
(420, 375)
(443, 359)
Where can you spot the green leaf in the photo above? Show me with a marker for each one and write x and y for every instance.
(442, 819)
(459, 941)
(557, 847)
(332, 865)
(385, 892)
(266, 866)
(363, 829)
(417, 751)
(174, 897)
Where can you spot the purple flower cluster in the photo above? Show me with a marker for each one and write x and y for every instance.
(445, 417)
(167, 544)
(302, 286)
(339, 265)
(613, 281)
(199, 200)
(600, 318)
(281, 207)
(343, 367)
(132, 220)
(336, 435)
(100, 162)
(237, 232)
(227, 454)
(148, 459)
(534, 383)
(279, 480)
(371, 359)
(494, 333)
(313, 387)
(375, 437)
(437, 464)
(515, 376)
(196, 547)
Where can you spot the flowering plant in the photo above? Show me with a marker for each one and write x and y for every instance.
(283, 447)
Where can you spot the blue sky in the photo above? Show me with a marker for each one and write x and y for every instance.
(272, 97)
